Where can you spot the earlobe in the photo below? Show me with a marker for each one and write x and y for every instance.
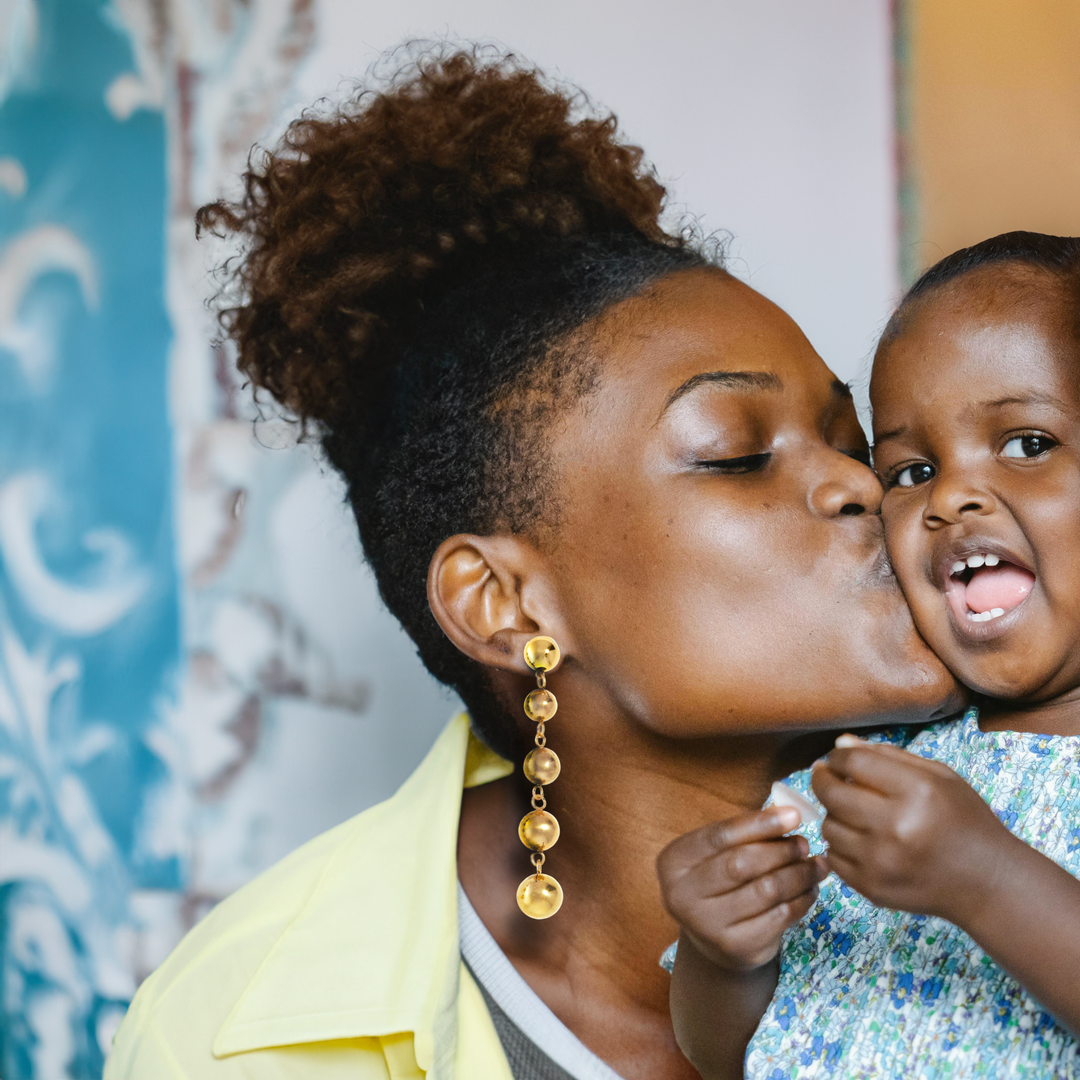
(488, 594)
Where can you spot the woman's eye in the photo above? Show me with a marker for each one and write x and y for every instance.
(913, 475)
(749, 463)
(1028, 446)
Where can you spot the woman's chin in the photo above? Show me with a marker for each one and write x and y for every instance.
(894, 674)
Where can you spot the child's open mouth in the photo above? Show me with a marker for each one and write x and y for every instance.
(983, 586)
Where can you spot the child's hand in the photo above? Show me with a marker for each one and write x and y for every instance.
(736, 885)
(906, 832)
(733, 887)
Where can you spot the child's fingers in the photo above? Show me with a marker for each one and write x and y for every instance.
(693, 848)
(886, 752)
(871, 766)
(858, 806)
(846, 869)
(769, 890)
(739, 865)
(755, 938)
(843, 839)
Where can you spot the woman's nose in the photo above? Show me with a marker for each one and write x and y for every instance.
(848, 489)
(951, 499)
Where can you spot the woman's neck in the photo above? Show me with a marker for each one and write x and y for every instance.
(619, 802)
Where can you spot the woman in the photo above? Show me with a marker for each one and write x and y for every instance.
(555, 419)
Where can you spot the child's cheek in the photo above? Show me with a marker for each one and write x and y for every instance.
(905, 541)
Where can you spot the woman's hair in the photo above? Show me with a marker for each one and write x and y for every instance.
(1060, 255)
(419, 268)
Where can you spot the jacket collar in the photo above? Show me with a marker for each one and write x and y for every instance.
(374, 951)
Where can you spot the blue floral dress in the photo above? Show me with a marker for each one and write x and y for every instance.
(865, 991)
(869, 992)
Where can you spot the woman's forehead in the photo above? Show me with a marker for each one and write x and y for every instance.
(702, 328)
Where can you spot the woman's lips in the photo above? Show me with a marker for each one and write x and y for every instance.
(983, 587)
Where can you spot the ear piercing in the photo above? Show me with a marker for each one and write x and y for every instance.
(539, 896)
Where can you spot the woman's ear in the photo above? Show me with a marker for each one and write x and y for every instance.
(490, 594)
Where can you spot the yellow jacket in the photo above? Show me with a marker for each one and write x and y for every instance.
(340, 961)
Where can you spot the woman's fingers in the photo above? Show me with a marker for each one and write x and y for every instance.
(686, 852)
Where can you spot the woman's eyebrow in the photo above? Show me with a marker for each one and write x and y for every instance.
(737, 380)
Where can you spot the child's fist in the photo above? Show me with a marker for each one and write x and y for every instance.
(736, 885)
(906, 832)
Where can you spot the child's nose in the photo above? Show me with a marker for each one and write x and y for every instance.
(950, 501)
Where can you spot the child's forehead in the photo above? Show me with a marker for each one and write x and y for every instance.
(1004, 289)
(1005, 321)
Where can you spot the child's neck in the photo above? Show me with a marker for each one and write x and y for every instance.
(1058, 716)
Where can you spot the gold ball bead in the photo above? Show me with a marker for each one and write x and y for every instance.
(541, 653)
(540, 705)
(542, 765)
(539, 896)
(539, 830)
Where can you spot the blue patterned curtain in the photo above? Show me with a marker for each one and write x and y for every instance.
(89, 635)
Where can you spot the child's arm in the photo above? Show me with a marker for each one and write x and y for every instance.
(733, 887)
(909, 834)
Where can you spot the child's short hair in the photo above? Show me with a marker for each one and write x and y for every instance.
(1058, 254)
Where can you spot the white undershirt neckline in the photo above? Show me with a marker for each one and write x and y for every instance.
(520, 1002)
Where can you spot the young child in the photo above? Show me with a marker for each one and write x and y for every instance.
(947, 942)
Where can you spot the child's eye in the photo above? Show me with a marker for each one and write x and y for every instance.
(912, 475)
(1028, 446)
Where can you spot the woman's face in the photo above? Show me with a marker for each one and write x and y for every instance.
(719, 553)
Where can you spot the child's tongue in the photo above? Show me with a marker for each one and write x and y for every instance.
(1002, 586)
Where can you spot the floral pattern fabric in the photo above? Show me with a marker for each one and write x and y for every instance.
(869, 992)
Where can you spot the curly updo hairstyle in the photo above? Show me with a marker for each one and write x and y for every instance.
(416, 270)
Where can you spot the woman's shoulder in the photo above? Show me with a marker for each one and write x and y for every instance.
(180, 1009)
(339, 942)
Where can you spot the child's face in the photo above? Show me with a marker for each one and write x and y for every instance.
(977, 441)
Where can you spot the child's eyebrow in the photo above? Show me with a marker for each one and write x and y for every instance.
(976, 406)
(1022, 399)
(886, 435)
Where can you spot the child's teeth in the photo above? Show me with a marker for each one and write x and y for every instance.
(986, 616)
(975, 561)
(992, 560)
(959, 567)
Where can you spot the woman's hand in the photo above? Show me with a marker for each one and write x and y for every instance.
(908, 833)
(733, 887)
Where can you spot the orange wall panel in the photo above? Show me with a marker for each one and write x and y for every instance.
(994, 139)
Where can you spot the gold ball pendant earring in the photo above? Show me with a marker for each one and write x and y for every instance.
(539, 896)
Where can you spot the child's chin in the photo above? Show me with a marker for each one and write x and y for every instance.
(994, 675)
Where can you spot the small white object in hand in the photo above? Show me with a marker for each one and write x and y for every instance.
(782, 795)
(843, 742)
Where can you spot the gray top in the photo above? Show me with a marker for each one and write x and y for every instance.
(538, 1045)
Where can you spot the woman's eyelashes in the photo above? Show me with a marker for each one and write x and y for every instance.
(745, 464)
